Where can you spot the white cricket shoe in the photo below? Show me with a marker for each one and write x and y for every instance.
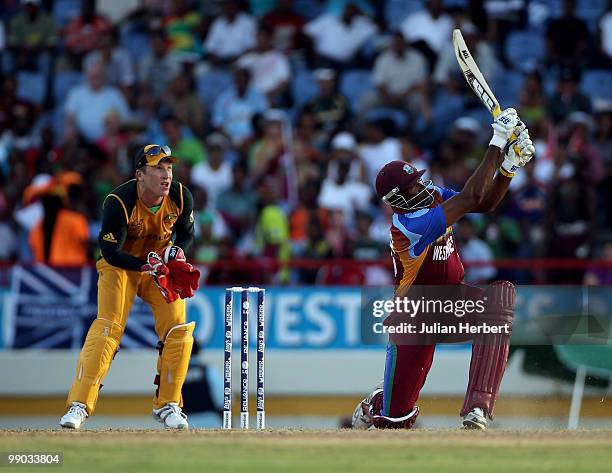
(75, 416)
(362, 416)
(475, 419)
(171, 416)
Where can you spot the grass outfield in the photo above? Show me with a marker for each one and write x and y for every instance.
(317, 451)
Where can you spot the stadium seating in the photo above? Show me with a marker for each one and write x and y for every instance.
(211, 84)
(597, 84)
(506, 87)
(63, 82)
(525, 48)
(397, 10)
(303, 87)
(31, 87)
(354, 83)
(65, 10)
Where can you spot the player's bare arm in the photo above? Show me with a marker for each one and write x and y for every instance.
(482, 192)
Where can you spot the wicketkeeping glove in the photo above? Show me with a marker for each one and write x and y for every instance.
(503, 126)
(159, 272)
(185, 279)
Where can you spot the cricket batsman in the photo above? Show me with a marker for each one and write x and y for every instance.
(147, 222)
(424, 253)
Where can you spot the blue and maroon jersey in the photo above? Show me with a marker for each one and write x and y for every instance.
(423, 247)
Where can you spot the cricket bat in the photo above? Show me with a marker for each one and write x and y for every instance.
(475, 79)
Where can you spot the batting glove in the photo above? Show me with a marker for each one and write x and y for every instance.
(503, 126)
(512, 160)
(159, 272)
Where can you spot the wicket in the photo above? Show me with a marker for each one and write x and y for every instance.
(230, 296)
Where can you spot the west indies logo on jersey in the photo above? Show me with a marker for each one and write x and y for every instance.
(443, 251)
(171, 217)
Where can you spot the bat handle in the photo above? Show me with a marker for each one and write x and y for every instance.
(496, 111)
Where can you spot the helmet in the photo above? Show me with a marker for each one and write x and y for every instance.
(396, 177)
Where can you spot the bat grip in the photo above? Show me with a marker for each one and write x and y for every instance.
(496, 111)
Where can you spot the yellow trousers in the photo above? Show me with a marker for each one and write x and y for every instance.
(117, 289)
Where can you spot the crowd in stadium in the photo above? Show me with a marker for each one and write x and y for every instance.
(281, 113)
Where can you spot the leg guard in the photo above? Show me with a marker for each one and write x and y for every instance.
(490, 351)
(98, 351)
(406, 369)
(174, 354)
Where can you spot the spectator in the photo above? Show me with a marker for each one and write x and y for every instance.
(234, 109)
(306, 210)
(379, 147)
(365, 248)
(187, 149)
(230, 35)
(183, 26)
(118, 66)
(316, 247)
(82, 34)
(158, 67)
(568, 98)
(400, 76)
(532, 101)
(269, 69)
(428, 30)
(484, 55)
(605, 34)
(473, 249)
(330, 107)
(31, 33)
(567, 38)
(237, 204)
(272, 230)
(215, 174)
(266, 155)
(286, 25)
(60, 228)
(337, 41)
(182, 100)
(89, 103)
(339, 193)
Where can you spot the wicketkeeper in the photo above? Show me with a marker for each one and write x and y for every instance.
(146, 224)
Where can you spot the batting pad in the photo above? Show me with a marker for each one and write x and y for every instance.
(172, 364)
(94, 362)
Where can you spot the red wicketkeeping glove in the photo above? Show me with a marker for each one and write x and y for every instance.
(185, 279)
(159, 272)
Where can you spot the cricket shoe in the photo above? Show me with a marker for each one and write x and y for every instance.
(475, 420)
(365, 410)
(171, 416)
(75, 416)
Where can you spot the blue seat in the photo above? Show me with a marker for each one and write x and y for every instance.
(31, 87)
(525, 48)
(354, 83)
(506, 87)
(399, 117)
(396, 11)
(211, 84)
(597, 84)
(303, 87)
(63, 82)
(309, 9)
(66, 10)
(135, 43)
(590, 11)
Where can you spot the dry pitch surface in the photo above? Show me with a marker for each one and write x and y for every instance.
(317, 451)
